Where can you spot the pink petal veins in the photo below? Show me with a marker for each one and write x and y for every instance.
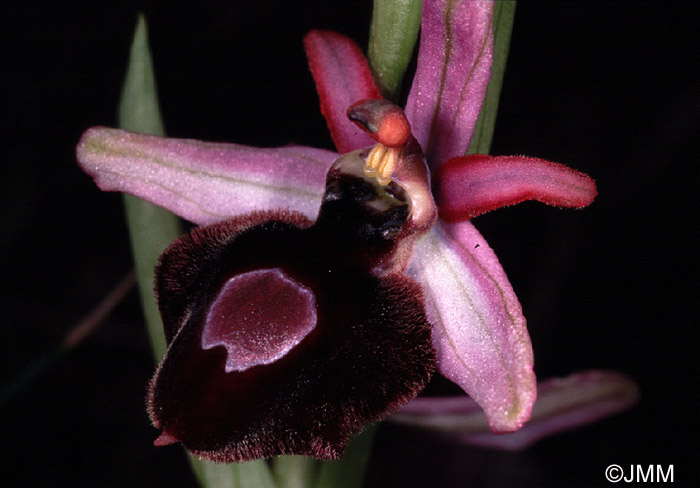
(562, 404)
(342, 77)
(205, 182)
(479, 334)
(454, 69)
(471, 185)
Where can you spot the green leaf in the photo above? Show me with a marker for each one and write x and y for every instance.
(138, 107)
(294, 471)
(211, 475)
(254, 474)
(392, 36)
(151, 229)
(504, 11)
(349, 471)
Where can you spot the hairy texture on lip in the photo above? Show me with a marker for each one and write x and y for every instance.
(454, 69)
(471, 185)
(191, 260)
(368, 353)
(342, 76)
(205, 182)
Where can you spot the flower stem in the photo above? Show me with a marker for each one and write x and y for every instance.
(73, 338)
(504, 11)
(392, 36)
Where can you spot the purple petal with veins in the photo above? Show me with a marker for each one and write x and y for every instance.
(454, 69)
(479, 334)
(205, 182)
(562, 404)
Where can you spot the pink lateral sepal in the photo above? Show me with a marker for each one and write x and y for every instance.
(205, 182)
(479, 334)
(472, 185)
(563, 404)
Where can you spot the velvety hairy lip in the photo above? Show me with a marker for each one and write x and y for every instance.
(312, 339)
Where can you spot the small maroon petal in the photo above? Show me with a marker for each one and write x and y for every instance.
(272, 313)
(471, 185)
(165, 439)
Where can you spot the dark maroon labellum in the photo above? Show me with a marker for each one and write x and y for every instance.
(285, 337)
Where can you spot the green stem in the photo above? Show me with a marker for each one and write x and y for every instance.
(392, 36)
(503, 14)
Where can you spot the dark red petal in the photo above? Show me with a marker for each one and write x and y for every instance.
(342, 77)
(368, 353)
(471, 185)
(165, 439)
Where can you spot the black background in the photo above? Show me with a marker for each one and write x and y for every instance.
(609, 88)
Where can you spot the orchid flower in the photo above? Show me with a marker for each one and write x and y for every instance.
(324, 287)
